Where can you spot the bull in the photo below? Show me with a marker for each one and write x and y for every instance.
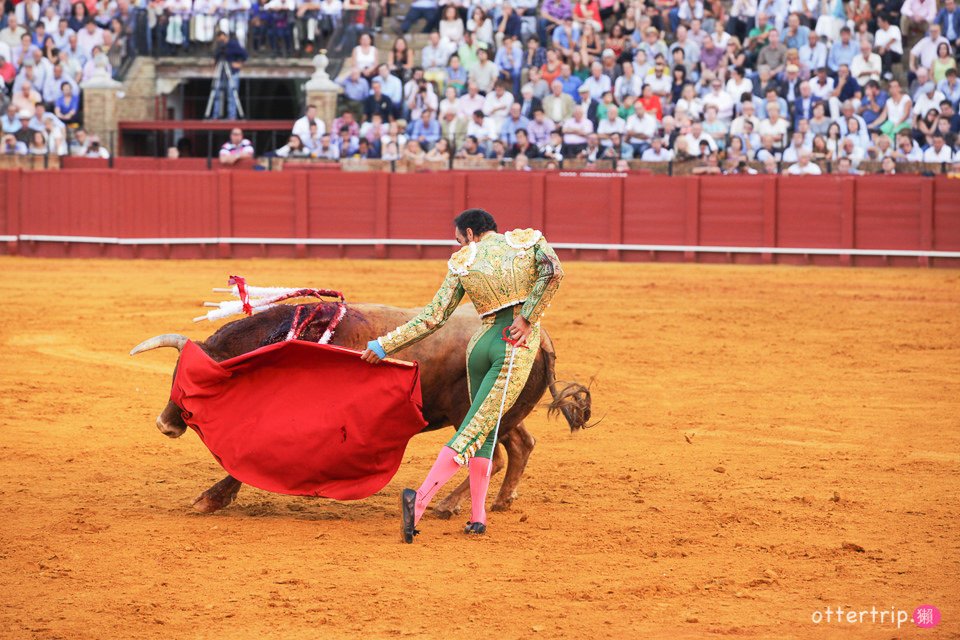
(443, 383)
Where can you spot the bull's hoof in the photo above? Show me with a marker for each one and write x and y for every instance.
(208, 502)
(503, 505)
(445, 513)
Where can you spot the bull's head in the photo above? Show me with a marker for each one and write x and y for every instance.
(169, 421)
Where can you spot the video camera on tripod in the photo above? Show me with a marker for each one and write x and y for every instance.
(229, 56)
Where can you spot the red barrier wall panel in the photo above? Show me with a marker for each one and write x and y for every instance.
(5, 205)
(578, 209)
(809, 212)
(166, 205)
(731, 211)
(653, 209)
(341, 205)
(946, 215)
(511, 197)
(887, 214)
(262, 204)
(421, 205)
(76, 203)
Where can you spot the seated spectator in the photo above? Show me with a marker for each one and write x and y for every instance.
(773, 124)
(804, 167)
(512, 124)
(10, 121)
(236, 148)
(377, 104)
(498, 152)
(845, 167)
(848, 149)
(453, 128)
(592, 151)
(866, 66)
(615, 149)
(696, 138)
(26, 98)
(12, 146)
(907, 149)
(390, 152)
(456, 74)
(575, 132)
(888, 166)
(497, 104)
(554, 149)
(293, 149)
(938, 151)
(767, 150)
(327, 150)
(356, 88)
(425, 130)
(38, 144)
(414, 153)
(68, 105)
(485, 72)
(523, 146)
(641, 127)
(440, 151)
(558, 106)
(365, 58)
(344, 141)
(470, 149)
(435, 56)
(657, 152)
(451, 28)
(483, 129)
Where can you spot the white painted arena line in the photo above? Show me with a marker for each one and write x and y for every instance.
(412, 242)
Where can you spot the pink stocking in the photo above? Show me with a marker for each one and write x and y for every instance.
(443, 469)
(479, 483)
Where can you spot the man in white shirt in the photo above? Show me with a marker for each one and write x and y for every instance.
(721, 100)
(470, 101)
(613, 123)
(236, 148)
(889, 44)
(483, 129)
(907, 150)
(804, 167)
(813, 55)
(938, 151)
(597, 83)
(925, 51)
(696, 137)
(497, 103)
(866, 65)
(749, 114)
(657, 152)
(301, 128)
(774, 125)
(821, 85)
(792, 153)
(927, 98)
(575, 131)
(641, 127)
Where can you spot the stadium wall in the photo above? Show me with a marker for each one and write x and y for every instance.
(145, 213)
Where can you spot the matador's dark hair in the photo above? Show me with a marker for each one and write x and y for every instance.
(477, 219)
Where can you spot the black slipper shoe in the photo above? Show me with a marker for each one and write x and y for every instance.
(475, 528)
(408, 503)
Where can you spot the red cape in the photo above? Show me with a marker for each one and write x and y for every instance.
(302, 418)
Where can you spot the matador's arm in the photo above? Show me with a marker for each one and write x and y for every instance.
(549, 275)
(431, 318)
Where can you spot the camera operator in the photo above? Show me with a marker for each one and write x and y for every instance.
(229, 56)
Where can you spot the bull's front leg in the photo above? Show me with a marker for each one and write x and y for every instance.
(519, 446)
(218, 496)
(450, 505)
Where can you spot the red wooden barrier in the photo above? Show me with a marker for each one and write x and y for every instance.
(176, 213)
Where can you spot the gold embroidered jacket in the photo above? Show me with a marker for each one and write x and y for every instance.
(500, 271)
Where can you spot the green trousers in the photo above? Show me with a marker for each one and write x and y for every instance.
(488, 358)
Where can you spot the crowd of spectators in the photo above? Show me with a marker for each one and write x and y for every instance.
(48, 50)
(787, 85)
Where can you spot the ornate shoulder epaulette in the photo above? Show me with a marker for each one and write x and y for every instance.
(460, 261)
(522, 238)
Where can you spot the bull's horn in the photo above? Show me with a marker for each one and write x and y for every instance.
(174, 340)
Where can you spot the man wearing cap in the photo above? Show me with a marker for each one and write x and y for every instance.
(790, 87)
(589, 105)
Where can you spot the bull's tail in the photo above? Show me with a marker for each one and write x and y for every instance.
(571, 399)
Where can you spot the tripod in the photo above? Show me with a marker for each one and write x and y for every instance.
(228, 92)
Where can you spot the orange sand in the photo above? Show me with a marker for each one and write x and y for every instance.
(738, 400)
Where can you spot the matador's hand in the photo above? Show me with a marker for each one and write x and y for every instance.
(520, 330)
(370, 356)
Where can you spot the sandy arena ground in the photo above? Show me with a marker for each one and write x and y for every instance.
(757, 420)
